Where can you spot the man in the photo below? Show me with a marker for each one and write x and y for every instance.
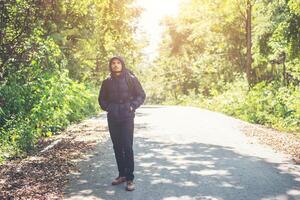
(120, 95)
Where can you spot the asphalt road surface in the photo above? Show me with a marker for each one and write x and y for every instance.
(188, 153)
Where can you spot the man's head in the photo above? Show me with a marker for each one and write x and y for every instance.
(116, 64)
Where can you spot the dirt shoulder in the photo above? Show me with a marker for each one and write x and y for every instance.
(44, 174)
(280, 141)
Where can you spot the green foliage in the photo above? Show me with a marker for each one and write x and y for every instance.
(276, 38)
(53, 54)
(200, 49)
(203, 57)
(42, 105)
(269, 104)
(273, 105)
(89, 32)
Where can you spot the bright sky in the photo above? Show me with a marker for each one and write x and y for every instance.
(154, 12)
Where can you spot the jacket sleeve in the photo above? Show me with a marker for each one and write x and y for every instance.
(103, 96)
(140, 95)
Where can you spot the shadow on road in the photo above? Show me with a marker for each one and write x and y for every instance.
(182, 171)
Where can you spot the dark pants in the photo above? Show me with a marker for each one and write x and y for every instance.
(121, 133)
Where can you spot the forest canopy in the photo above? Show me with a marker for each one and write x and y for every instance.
(240, 57)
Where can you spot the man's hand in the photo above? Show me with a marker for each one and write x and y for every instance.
(131, 108)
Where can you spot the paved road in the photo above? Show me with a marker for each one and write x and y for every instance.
(188, 153)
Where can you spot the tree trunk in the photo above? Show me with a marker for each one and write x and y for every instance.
(249, 43)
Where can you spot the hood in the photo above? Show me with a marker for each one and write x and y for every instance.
(121, 60)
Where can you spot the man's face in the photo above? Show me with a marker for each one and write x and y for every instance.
(116, 65)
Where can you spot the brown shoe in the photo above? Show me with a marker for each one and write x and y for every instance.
(130, 186)
(118, 180)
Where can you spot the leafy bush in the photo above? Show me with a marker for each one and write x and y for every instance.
(38, 101)
(273, 105)
(44, 108)
(266, 103)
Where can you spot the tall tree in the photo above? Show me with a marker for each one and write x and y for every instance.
(249, 41)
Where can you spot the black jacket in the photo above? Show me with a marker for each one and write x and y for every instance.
(116, 97)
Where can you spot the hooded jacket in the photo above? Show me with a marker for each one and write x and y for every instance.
(116, 97)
